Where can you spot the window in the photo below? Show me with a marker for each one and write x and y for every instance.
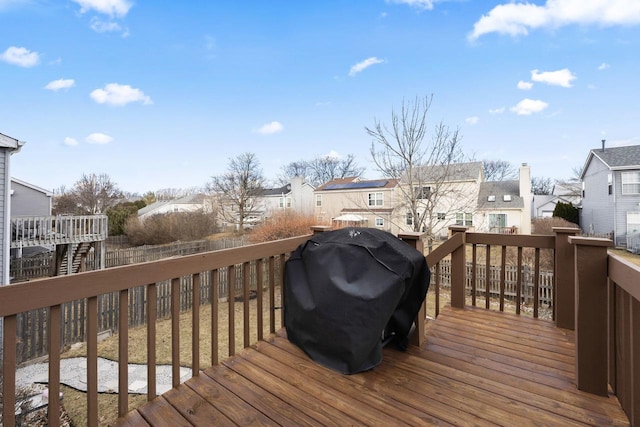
(409, 218)
(610, 183)
(318, 200)
(376, 199)
(497, 220)
(379, 222)
(491, 198)
(283, 200)
(506, 197)
(631, 182)
(633, 222)
(464, 218)
(441, 216)
(423, 193)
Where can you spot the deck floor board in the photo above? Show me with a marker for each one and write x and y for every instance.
(477, 367)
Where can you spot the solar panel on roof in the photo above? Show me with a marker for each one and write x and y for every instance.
(356, 185)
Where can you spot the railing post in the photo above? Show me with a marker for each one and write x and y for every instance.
(414, 240)
(458, 269)
(591, 313)
(564, 277)
(317, 229)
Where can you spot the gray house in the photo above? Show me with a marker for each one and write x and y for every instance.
(611, 192)
(29, 200)
(8, 146)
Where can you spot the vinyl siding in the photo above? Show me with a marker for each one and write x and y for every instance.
(597, 205)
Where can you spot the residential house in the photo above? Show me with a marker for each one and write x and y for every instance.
(29, 200)
(190, 203)
(611, 192)
(296, 196)
(355, 202)
(505, 206)
(8, 146)
(565, 192)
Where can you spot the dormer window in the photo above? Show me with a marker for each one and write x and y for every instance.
(506, 197)
(491, 198)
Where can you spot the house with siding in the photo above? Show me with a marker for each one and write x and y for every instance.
(611, 192)
(8, 146)
(296, 196)
(190, 203)
(565, 192)
(352, 201)
(29, 199)
(505, 206)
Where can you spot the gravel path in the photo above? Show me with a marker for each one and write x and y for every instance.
(73, 373)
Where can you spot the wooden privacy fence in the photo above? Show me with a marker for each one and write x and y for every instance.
(27, 268)
(545, 287)
(32, 329)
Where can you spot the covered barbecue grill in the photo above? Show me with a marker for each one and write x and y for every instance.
(350, 291)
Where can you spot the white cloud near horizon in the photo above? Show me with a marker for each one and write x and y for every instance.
(119, 95)
(271, 128)
(472, 120)
(71, 142)
(112, 8)
(499, 110)
(56, 85)
(603, 66)
(522, 85)
(104, 27)
(333, 154)
(517, 19)
(418, 4)
(98, 138)
(20, 56)
(360, 66)
(562, 77)
(527, 106)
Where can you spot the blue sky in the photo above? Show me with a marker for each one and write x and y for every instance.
(161, 94)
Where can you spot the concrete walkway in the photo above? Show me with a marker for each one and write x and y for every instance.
(73, 373)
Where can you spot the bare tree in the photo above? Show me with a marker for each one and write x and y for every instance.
(239, 188)
(424, 168)
(321, 169)
(499, 170)
(96, 193)
(541, 186)
(92, 194)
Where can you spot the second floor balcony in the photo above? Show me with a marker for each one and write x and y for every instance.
(29, 231)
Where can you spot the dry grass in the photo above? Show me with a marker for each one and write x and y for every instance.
(75, 401)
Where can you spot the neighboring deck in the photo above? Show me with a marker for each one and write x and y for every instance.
(477, 367)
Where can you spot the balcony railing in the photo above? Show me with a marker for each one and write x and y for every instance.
(605, 316)
(53, 230)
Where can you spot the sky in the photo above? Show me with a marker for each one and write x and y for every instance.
(162, 94)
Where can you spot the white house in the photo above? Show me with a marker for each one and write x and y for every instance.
(296, 196)
(191, 203)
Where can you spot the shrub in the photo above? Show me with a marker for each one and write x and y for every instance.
(545, 225)
(282, 225)
(171, 227)
(567, 211)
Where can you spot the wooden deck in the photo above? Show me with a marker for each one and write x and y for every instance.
(477, 367)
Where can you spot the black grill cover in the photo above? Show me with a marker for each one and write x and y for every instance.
(347, 291)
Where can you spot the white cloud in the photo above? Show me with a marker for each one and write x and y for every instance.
(56, 85)
(118, 8)
(524, 85)
(333, 154)
(20, 56)
(562, 77)
(72, 142)
(497, 110)
(117, 94)
(419, 4)
(528, 106)
(104, 27)
(360, 66)
(516, 19)
(271, 128)
(98, 138)
(472, 120)
(603, 66)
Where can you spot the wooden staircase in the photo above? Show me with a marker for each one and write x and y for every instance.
(80, 250)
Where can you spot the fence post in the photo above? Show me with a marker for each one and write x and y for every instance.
(564, 277)
(591, 313)
(458, 269)
(414, 240)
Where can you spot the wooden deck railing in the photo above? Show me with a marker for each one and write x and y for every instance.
(607, 334)
(52, 293)
(52, 230)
